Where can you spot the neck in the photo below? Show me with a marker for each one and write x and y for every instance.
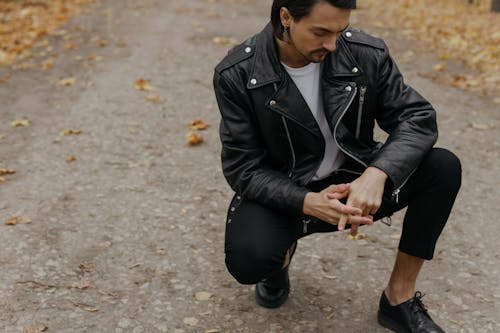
(290, 56)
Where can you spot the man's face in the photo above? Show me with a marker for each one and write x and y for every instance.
(315, 35)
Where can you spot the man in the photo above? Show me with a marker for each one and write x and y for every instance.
(299, 102)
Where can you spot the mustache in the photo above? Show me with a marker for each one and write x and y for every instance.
(322, 50)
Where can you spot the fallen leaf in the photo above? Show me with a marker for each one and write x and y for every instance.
(20, 123)
(153, 98)
(191, 321)
(357, 237)
(87, 267)
(105, 245)
(496, 100)
(2, 180)
(480, 126)
(47, 64)
(35, 328)
(203, 296)
(67, 81)
(71, 159)
(7, 172)
(212, 331)
(95, 58)
(224, 41)
(69, 132)
(90, 309)
(143, 85)
(439, 67)
(18, 220)
(194, 139)
(198, 125)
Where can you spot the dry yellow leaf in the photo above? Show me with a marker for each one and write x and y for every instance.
(153, 98)
(71, 158)
(7, 172)
(357, 237)
(439, 67)
(90, 309)
(20, 123)
(47, 64)
(143, 85)
(224, 41)
(67, 81)
(203, 296)
(18, 220)
(198, 125)
(480, 126)
(2, 180)
(35, 328)
(69, 132)
(194, 139)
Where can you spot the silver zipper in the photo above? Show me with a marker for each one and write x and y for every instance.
(396, 191)
(337, 125)
(291, 146)
(362, 92)
(306, 222)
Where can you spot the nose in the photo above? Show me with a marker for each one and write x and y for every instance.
(330, 44)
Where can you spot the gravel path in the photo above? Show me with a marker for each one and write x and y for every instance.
(123, 238)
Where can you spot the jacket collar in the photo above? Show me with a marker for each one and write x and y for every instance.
(266, 67)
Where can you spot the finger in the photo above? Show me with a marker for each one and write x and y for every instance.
(337, 195)
(346, 209)
(337, 188)
(342, 222)
(375, 209)
(357, 220)
(354, 230)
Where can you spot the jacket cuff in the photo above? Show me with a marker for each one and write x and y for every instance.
(297, 201)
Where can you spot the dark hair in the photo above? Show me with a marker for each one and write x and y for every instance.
(300, 8)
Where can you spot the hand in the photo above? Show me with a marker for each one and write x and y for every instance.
(326, 206)
(365, 193)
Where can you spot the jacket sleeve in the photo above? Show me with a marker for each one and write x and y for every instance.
(244, 155)
(407, 117)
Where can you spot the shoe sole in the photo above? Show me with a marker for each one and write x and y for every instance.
(390, 324)
(271, 305)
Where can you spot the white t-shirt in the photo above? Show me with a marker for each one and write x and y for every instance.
(307, 79)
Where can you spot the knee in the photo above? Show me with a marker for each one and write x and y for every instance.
(248, 265)
(446, 167)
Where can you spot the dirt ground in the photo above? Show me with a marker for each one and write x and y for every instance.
(127, 237)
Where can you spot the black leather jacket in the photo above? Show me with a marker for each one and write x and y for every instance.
(271, 143)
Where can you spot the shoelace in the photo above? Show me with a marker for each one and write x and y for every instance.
(417, 304)
(419, 309)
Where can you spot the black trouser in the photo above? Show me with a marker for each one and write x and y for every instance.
(258, 237)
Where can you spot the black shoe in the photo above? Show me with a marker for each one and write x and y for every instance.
(273, 291)
(408, 317)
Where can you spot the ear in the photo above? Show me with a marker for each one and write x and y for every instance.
(285, 17)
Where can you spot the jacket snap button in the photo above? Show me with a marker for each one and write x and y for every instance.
(348, 34)
(355, 70)
(348, 88)
(272, 102)
(248, 49)
(253, 81)
(238, 198)
(233, 209)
